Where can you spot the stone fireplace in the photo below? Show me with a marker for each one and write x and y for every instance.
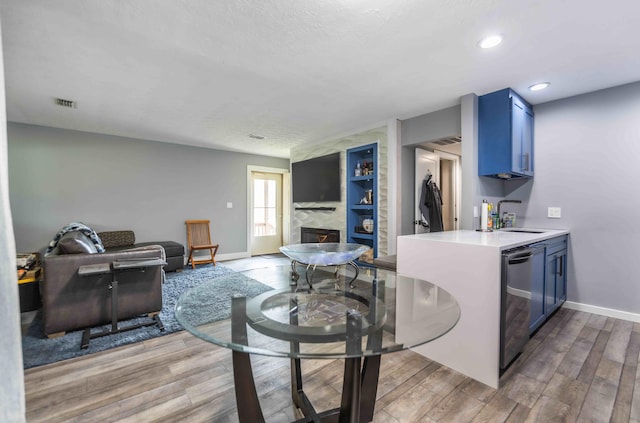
(308, 235)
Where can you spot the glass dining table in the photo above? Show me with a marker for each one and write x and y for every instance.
(360, 320)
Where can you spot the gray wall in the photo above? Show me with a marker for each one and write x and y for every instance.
(587, 150)
(431, 126)
(59, 176)
(415, 131)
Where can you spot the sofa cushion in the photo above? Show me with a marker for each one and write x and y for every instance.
(75, 242)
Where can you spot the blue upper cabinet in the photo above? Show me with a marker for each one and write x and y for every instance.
(505, 135)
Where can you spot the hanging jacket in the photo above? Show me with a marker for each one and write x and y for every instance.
(431, 205)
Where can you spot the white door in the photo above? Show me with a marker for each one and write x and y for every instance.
(450, 188)
(426, 162)
(266, 213)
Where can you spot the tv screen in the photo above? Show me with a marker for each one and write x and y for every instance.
(317, 179)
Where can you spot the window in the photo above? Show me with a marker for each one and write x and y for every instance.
(264, 207)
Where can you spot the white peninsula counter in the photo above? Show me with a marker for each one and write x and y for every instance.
(468, 265)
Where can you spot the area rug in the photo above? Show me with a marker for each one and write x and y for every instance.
(38, 350)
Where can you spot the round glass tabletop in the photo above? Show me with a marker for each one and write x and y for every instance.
(383, 312)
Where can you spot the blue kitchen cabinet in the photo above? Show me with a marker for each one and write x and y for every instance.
(537, 286)
(548, 279)
(505, 135)
(362, 198)
(556, 274)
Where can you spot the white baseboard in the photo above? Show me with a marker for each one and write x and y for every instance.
(602, 311)
(223, 257)
(232, 256)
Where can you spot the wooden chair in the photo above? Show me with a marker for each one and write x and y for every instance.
(199, 238)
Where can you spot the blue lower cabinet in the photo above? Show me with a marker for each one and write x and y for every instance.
(548, 279)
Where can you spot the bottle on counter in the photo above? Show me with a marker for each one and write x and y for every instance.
(490, 216)
(484, 215)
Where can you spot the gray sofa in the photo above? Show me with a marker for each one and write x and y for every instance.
(71, 301)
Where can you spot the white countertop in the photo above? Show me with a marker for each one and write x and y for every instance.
(500, 239)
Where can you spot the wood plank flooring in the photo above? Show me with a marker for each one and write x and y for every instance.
(578, 367)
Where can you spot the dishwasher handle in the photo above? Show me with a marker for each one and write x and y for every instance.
(519, 256)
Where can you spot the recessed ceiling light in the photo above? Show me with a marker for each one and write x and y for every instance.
(490, 41)
(539, 86)
(257, 137)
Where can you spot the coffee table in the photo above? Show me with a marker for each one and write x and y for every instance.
(383, 313)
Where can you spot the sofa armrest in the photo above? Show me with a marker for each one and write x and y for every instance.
(71, 301)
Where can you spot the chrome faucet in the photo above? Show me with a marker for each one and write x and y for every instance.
(506, 201)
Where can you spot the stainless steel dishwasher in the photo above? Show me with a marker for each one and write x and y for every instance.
(515, 303)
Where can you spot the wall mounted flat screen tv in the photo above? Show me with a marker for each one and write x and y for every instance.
(317, 179)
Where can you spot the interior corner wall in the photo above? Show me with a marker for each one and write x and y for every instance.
(58, 176)
(338, 219)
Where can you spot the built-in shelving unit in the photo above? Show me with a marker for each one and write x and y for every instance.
(362, 198)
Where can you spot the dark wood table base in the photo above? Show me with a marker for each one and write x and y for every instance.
(360, 381)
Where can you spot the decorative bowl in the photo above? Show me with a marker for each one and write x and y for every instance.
(324, 253)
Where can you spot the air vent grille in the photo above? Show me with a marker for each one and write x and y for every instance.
(448, 140)
(66, 103)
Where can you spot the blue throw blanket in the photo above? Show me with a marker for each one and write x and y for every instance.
(77, 226)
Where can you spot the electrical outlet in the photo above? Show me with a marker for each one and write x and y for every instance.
(554, 212)
(475, 211)
(229, 205)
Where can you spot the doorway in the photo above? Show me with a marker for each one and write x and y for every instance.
(445, 171)
(266, 211)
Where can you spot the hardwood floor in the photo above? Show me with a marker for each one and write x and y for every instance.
(578, 367)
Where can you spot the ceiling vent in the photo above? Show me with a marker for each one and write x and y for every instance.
(66, 103)
(448, 140)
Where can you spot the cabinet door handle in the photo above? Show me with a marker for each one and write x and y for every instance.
(561, 260)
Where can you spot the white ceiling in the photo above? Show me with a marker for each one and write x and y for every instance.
(209, 73)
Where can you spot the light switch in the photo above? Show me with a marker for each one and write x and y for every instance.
(229, 205)
(475, 211)
(554, 212)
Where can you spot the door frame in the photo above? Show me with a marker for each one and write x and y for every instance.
(456, 176)
(286, 202)
(457, 183)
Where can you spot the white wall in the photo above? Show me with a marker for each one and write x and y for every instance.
(12, 399)
(58, 176)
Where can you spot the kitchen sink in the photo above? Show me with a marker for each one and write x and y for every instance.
(526, 231)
